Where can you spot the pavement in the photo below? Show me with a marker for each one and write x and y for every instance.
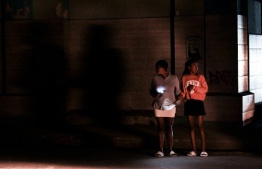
(220, 136)
(67, 157)
(129, 145)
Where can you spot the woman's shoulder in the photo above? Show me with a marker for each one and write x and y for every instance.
(173, 75)
(200, 75)
(185, 75)
(157, 77)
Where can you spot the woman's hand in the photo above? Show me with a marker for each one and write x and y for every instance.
(178, 99)
(190, 87)
(158, 95)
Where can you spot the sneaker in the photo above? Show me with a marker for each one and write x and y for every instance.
(159, 154)
(191, 154)
(203, 154)
(172, 154)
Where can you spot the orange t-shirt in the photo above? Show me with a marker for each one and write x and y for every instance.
(200, 87)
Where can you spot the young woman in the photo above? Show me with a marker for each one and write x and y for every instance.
(194, 89)
(165, 90)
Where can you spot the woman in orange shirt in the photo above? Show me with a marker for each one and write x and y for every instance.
(194, 89)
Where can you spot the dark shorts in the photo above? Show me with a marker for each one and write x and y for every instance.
(194, 108)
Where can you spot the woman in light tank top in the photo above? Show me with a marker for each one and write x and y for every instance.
(166, 93)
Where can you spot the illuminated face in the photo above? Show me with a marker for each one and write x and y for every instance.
(193, 68)
(160, 70)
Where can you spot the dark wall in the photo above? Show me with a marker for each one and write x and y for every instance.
(139, 35)
(254, 17)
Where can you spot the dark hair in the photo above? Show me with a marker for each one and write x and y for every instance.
(188, 63)
(162, 63)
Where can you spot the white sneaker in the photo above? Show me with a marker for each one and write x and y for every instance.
(172, 154)
(191, 154)
(203, 154)
(159, 154)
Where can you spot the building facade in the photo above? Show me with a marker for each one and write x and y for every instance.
(74, 55)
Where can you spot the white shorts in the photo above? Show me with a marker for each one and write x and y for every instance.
(165, 113)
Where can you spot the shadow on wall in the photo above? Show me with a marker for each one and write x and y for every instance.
(45, 77)
(101, 77)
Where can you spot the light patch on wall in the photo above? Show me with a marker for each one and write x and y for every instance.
(193, 47)
(17, 9)
(62, 9)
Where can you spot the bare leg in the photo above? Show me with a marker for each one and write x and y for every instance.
(160, 132)
(169, 132)
(201, 130)
(192, 132)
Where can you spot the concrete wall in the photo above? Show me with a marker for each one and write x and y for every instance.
(119, 73)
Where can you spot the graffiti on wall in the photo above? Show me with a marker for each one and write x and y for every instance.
(221, 77)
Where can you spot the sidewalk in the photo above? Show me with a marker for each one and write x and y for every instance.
(229, 144)
(220, 136)
(66, 157)
(135, 131)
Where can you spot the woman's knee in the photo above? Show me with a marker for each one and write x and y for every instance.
(161, 128)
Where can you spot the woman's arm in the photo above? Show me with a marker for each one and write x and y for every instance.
(203, 88)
